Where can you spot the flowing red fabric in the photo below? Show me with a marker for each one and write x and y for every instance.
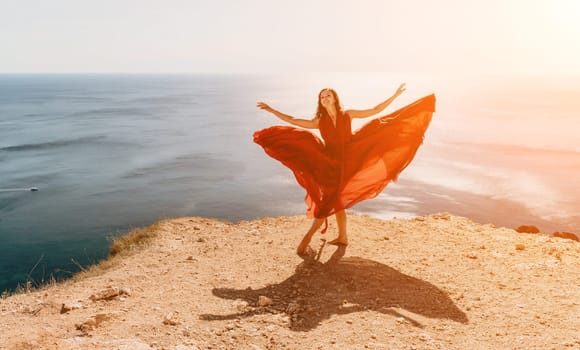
(348, 167)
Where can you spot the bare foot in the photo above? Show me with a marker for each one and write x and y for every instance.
(339, 241)
(306, 253)
(302, 247)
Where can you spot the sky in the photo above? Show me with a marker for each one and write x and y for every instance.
(444, 37)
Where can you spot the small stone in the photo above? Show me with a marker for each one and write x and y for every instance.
(568, 235)
(68, 306)
(86, 326)
(107, 294)
(520, 246)
(441, 216)
(264, 301)
(92, 323)
(168, 320)
(528, 229)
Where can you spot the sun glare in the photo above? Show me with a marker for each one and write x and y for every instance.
(566, 15)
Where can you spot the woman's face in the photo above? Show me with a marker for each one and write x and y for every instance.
(326, 99)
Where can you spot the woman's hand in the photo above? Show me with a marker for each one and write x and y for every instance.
(264, 106)
(304, 123)
(401, 89)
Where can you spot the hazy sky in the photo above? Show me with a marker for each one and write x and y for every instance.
(438, 37)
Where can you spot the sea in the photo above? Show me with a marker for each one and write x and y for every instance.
(88, 157)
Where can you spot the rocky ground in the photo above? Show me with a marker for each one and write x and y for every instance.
(435, 282)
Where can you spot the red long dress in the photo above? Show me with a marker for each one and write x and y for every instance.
(348, 167)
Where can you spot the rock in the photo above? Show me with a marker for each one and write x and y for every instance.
(92, 323)
(528, 229)
(107, 294)
(68, 306)
(441, 216)
(86, 326)
(264, 301)
(110, 293)
(169, 320)
(520, 246)
(568, 235)
(401, 320)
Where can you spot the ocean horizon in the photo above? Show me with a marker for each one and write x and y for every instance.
(112, 152)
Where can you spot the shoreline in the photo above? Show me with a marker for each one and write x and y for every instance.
(501, 212)
(436, 281)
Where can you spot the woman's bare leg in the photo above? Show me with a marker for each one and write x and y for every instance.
(308, 236)
(342, 238)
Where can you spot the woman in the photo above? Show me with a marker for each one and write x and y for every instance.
(346, 167)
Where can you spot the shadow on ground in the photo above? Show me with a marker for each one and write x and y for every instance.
(342, 286)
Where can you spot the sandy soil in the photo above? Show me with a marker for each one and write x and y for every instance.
(434, 282)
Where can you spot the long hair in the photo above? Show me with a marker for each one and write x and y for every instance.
(320, 111)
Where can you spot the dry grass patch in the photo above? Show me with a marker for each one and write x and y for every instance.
(135, 239)
(121, 246)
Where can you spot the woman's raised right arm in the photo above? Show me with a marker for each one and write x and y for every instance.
(304, 123)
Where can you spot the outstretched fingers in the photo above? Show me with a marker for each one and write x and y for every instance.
(401, 89)
(263, 106)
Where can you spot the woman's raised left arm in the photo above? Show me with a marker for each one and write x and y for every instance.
(353, 113)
